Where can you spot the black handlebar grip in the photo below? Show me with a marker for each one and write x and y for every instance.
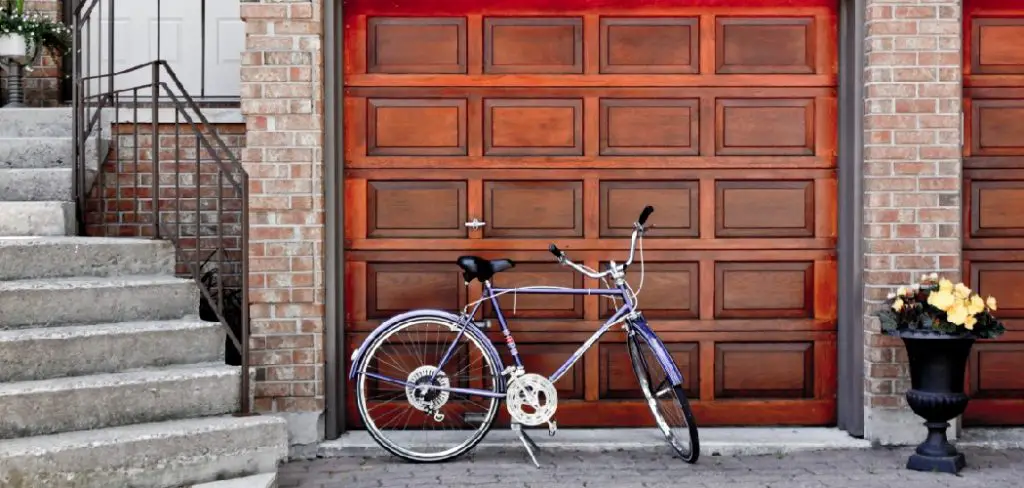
(648, 210)
(556, 251)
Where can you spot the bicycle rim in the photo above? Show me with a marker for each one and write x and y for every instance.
(394, 416)
(667, 402)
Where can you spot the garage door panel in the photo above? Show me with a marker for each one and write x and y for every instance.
(662, 45)
(996, 45)
(764, 127)
(560, 125)
(534, 45)
(993, 196)
(395, 127)
(741, 45)
(404, 45)
(650, 127)
(764, 370)
(677, 202)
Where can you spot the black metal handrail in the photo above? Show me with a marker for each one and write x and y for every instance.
(203, 211)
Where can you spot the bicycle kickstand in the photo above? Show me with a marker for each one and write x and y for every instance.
(528, 442)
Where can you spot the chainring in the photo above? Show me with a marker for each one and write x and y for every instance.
(421, 398)
(531, 399)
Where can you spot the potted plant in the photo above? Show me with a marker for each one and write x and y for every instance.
(938, 322)
(23, 34)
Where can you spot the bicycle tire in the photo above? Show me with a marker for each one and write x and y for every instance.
(405, 453)
(641, 367)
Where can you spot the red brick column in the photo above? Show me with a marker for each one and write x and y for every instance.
(282, 101)
(912, 166)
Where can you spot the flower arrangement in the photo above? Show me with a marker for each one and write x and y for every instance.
(938, 305)
(35, 28)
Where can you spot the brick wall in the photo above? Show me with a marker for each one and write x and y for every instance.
(120, 203)
(912, 167)
(42, 84)
(282, 101)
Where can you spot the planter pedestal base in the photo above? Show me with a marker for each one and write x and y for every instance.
(936, 454)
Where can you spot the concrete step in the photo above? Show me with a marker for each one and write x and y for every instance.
(157, 455)
(266, 480)
(50, 152)
(91, 300)
(55, 352)
(65, 257)
(36, 122)
(37, 218)
(31, 408)
(36, 185)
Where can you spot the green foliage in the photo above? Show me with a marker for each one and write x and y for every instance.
(38, 29)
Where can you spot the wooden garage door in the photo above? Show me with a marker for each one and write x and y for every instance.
(993, 195)
(559, 125)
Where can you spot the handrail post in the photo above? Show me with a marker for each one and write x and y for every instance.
(155, 157)
(246, 407)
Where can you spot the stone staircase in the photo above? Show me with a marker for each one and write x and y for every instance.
(107, 376)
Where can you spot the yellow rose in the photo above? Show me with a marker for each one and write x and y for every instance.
(969, 323)
(941, 300)
(957, 314)
(976, 305)
(897, 305)
(945, 286)
(991, 302)
(961, 291)
(903, 291)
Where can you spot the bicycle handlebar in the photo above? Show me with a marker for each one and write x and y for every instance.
(638, 230)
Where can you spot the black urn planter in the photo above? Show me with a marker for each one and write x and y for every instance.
(937, 364)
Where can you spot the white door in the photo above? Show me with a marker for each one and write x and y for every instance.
(172, 30)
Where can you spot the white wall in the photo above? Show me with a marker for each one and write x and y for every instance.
(181, 43)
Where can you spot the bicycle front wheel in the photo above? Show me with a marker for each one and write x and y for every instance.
(667, 401)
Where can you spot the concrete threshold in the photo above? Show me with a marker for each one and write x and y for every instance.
(991, 438)
(744, 441)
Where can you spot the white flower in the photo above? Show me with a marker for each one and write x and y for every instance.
(891, 296)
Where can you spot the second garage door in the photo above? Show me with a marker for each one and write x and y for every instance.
(558, 125)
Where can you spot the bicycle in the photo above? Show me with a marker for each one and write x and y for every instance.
(441, 386)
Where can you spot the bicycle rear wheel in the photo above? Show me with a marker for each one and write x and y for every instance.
(667, 402)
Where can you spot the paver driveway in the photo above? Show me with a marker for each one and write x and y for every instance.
(877, 468)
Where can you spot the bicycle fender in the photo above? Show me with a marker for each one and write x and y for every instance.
(391, 323)
(659, 350)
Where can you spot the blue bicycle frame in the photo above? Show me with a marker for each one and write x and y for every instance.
(633, 318)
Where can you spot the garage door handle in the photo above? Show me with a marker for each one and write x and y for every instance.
(475, 224)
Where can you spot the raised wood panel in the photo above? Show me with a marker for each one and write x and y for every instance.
(764, 127)
(416, 45)
(996, 126)
(1002, 280)
(677, 204)
(763, 290)
(764, 370)
(396, 209)
(393, 288)
(764, 208)
(618, 381)
(400, 127)
(544, 359)
(997, 208)
(533, 45)
(533, 127)
(662, 45)
(514, 305)
(518, 209)
(649, 127)
(671, 290)
(996, 370)
(768, 45)
(995, 46)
